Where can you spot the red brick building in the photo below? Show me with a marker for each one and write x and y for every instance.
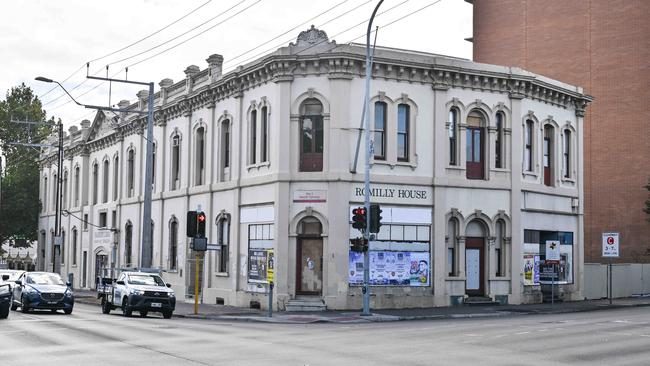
(603, 46)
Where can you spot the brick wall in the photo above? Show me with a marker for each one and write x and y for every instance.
(603, 46)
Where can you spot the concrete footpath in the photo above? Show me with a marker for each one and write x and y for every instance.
(232, 313)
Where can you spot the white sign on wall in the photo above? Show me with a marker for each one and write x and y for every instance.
(610, 245)
(102, 238)
(552, 251)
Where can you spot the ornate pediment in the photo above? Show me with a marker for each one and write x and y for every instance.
(311, 41)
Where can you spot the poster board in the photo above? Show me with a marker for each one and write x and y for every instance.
(391, 268)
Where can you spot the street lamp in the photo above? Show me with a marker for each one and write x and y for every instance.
(58, 240)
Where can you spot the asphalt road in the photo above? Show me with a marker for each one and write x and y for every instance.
(610, 337)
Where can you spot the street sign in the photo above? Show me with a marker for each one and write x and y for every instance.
(610, 245)
(552, 252)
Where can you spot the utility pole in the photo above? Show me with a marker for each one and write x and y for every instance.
(57, 240)
(146, 245)
(366, 196)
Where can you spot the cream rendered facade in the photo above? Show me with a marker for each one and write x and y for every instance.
(260, 190)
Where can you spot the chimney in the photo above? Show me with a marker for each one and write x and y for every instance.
(215, 63)
(71, 131)
(143, 99)
(85, 128)
(164, 85)
(190, 71)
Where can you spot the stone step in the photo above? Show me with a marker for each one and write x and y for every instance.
(480, 300)
(306, 305)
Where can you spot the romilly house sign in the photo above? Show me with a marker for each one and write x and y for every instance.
(386, 193)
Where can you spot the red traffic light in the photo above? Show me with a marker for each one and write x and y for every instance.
(359, 211)
(201, 217)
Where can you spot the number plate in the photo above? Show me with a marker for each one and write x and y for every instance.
(156, 304)
(51, 302)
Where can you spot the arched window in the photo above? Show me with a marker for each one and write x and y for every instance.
(452, 247)
(95, 183)
(176, 162)
(475, 133)
(153, 166)
(566, 158)
(76, 186)
(130, 173)
(548, 155)
(105, 181)
(45, 187)
(311, 136)
(128, 244)
(379, 144)
(403, 128)
(116, 177)
(499, 142)
(173, 244)
(264, 138)
(223, 234)
(199, 159)
(64, 203)
(74, 247)
(500, 249)
(528, 146)
(252, 132)
(225, 150)
(453, 136)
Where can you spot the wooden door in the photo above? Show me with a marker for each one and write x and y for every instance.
(548, 158)
(474, 266)
(475, 169)
(309, 266)
(311, 144)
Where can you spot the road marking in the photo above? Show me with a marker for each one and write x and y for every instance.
(520, 333)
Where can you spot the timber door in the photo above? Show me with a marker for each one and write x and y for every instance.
(548, 155)
(475, 168)
(474, 266)
(309, 270)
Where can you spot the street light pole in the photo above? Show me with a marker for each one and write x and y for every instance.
(366, 196)
(58, 240)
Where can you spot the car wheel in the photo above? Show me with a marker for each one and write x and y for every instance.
(143, 314)
(167, 314)
(106, 307)
(126, 311)
(4, 313)
(23, 308)
(67, 311)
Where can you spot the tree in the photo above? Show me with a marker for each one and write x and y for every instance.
(19, 205)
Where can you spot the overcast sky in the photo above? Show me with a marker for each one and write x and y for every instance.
(55, 38)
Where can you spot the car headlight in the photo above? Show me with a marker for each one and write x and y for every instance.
(136, 292)
(4, 290)
(171, 294)
(68, 293)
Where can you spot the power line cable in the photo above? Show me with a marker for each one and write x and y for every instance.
(194, 36)
(130, 45)
(292, 38)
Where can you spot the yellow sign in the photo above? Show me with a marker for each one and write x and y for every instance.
(270, 263)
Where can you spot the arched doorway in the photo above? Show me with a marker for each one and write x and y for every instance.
(475, 263)
(309, 255)
(101, 265)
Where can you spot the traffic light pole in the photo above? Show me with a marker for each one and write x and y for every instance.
(366, 196)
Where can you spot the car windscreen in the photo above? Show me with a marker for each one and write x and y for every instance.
(148, 280)
(44, 279)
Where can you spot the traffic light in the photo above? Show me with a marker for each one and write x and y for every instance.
(375, 218)
(200, 224)
(359, 218)
(190, 227)
(359, 245)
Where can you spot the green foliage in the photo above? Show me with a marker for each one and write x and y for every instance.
(20, 205)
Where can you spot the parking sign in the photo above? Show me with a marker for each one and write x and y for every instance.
(610, 245)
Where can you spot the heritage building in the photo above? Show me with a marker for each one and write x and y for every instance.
(476, 166)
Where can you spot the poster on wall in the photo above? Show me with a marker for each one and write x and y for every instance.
(531, 270)
(257, 265)
(391, 268)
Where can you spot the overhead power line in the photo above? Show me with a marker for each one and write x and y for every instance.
(130, 45)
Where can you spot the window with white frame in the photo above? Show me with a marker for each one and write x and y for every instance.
(153, 166)
(252, 133)
(379, 144)
(76, 186)
(176, 162)
(403, 130)
(452, 247)
(45, 187)
(223, 239)
(499, 142)
(105, 180)
(264, 135)
(74, 246)
(173, 244)
(54, 191)
(528, 145)
(116, 177)
(500, 249)
(225, 150)
(453, 136)
(199, 157)
(128, 244)
(64, 203)
(130, 173)
(566, 154)
(95, 183)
